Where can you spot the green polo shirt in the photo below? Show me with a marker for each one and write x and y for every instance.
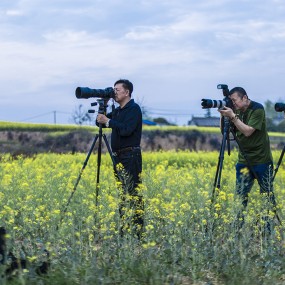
(257, 146)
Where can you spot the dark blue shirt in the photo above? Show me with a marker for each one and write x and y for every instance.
(126, 124)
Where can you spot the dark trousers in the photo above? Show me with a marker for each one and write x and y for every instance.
(245, 180)
(128, 169)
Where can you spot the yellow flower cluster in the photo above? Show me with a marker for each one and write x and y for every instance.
(177, 189)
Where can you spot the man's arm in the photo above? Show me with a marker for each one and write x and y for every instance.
(242, 127)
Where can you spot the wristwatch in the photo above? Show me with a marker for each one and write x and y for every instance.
(107, 124)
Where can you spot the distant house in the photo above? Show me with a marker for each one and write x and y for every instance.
(204, 121)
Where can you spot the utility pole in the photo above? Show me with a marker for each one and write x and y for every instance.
(54, 117)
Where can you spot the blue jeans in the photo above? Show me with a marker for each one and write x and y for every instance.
(245, 180)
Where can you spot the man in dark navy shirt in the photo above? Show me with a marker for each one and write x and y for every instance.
(126, 124)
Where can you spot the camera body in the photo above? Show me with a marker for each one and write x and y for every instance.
(102, 106)
(86, 93)
(226, 102)
(279, 107)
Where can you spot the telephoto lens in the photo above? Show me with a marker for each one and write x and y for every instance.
(209, 103)
(86, 93)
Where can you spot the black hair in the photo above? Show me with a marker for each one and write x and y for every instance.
(239, 90)
(126, 84)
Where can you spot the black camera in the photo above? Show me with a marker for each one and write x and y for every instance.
(86, 93)
(226, 102)
(279, 107)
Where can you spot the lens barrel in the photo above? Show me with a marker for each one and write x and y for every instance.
(279, 107)
(209, 103)
(86, 93)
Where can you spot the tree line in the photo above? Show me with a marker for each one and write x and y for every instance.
(275, 120)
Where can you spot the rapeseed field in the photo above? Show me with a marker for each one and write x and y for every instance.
(190, 235)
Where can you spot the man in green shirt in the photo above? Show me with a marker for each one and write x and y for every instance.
(254, 158)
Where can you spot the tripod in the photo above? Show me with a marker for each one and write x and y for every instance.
(226, 126)
(100, 137)
(279, 162)
(226, 140)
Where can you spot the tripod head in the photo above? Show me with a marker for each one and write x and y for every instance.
(102, 103)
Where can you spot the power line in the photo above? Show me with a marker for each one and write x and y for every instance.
(45, 114)
(169, 114)
(35, 117)
(148, 111)
(166, 112)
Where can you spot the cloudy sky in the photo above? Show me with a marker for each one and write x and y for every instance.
(174, 51)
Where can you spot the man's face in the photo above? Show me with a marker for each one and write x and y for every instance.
(238, 102)
(120, 92)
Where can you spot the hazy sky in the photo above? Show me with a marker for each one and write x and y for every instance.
(174, 51)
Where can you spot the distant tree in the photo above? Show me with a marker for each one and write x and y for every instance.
(269, 109)
(140, 102)
(271, 127)
(274, 119)
(281, 127)
(162, 121)
(81, 116)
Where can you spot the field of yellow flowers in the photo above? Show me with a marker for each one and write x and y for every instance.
(188, 238)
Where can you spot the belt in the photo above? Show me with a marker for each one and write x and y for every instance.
(125, 149)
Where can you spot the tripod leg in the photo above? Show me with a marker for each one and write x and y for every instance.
(109, 148)
(98, 168)
(217, 181)
(99, 159)
(279, 162)
(79, 176)
(112, 157)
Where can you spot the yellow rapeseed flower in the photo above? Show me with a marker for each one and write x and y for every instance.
(56, 212)
(185, 206)
(149, 245)
(218, 207)
(149, 227)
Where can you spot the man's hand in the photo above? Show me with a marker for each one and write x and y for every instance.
(227, 112)
(102, 119)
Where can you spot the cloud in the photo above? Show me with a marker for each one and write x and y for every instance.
(164, 46)
(14, 13)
